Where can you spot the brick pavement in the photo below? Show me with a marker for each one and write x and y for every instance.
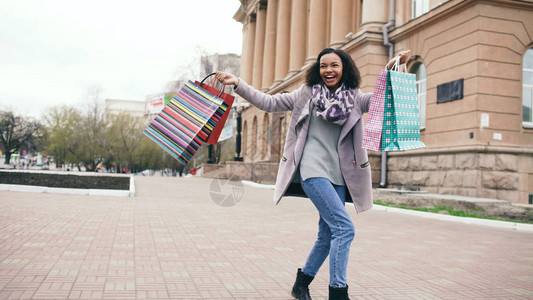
(173, 242)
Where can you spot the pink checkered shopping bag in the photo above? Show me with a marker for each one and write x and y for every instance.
(374, 120)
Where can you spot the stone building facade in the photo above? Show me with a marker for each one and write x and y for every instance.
(480, 144)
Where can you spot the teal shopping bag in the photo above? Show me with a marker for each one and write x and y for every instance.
(401, 117)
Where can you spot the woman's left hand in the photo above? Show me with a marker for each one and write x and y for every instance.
(403, 56)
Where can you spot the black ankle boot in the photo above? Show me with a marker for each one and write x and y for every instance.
(300, 290)
(338, 293)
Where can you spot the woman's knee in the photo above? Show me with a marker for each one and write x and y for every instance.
(347, 231)
(350, 231)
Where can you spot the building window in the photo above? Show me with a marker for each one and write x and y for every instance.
(282, 134)
(254, 138)
(244, 139)
(419, 7)
(421, 78)
(527, 90)
(266, 135)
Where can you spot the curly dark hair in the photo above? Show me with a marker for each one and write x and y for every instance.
(350, 74)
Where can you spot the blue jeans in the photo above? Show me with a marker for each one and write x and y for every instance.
(335, 230)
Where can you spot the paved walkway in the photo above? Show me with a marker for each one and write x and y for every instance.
(173, 242)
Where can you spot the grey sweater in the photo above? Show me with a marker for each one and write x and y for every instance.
(320, 157)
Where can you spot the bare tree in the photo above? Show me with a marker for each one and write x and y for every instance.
(88, 145)
(15, 131)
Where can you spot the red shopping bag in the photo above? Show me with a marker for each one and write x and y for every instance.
(228, 100)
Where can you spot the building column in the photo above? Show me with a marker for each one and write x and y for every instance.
(317, 28)
(298, 35)
(283, 40)
(259, 46)
(341, 21)
(375, 13)
(269, 59)
(247, 57)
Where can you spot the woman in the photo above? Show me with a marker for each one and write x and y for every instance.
(323, 156)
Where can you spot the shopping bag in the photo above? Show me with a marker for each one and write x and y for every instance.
(401, 123)
(186, 122)
(374, 119)
(228, 101)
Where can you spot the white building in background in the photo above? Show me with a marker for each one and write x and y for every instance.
(135, 108)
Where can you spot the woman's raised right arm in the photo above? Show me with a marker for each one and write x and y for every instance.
(263, 101)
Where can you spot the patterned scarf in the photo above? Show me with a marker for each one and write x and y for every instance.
(334, 107)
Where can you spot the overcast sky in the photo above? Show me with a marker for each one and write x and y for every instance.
(53, 51)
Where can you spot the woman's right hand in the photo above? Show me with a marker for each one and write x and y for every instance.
(227, 78)
(403, 56)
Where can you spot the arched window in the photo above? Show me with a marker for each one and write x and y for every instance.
(419, 7)
(283, 134)
(420, 70)
(265, 140)
(244, 135)
(254, 139)
(527, 90)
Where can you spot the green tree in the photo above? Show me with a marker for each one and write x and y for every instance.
(16, 131)
(149, 155)
(124, 134)
(61, 128)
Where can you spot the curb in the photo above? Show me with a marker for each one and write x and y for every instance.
(69, 191)
(422, 214)
(465, 220)
(132, 187)
(258, 185)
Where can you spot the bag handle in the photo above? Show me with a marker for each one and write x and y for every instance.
(396, 67)
(222, 86)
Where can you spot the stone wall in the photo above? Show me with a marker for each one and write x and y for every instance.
(213, 171)
(494, 175)
(472, 172)
(375, 164)
(264, 172)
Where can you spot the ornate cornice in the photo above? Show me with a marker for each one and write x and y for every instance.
(448, 9)
(362, 37)
(248, 10)
(240, 14)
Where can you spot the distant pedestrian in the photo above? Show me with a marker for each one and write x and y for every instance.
(323, 157)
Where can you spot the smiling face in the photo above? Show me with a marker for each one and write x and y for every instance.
(331, 70)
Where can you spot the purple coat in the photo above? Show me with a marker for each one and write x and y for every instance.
(354, 163)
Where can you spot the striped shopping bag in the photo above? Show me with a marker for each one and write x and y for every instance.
(187, 121)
